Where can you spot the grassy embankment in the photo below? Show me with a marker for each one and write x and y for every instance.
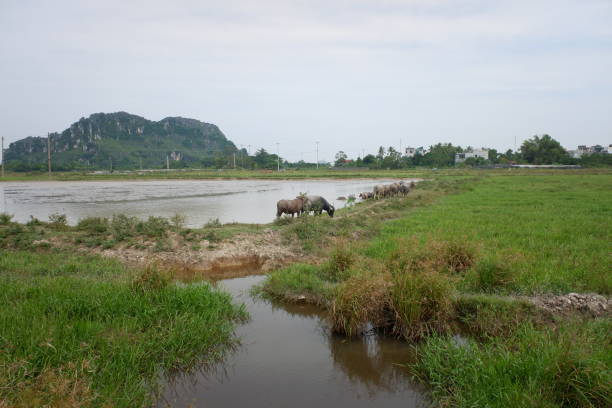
(87, 331)
(458, 265)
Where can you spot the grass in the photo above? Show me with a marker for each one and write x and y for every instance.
(457, 255)
(531, 368)
(87, 331)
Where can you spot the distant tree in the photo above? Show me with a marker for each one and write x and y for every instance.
(493, 156)
(441, 155)
(543, 150)
(369, 160)
(340, 158)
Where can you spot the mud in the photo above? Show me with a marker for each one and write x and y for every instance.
(242, 255)
(589, 304)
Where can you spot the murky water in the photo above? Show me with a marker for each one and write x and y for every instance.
(288, 358)
(249, 201)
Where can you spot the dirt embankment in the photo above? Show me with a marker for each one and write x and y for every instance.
(589, 304)
(243, 254)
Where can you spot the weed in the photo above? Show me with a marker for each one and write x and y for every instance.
(213, 223)
(5, 218)
(122, 226)
(154, 227)
(298, 282)
(151, 279)
(93, 225)
(33, 222)
(58, 220)
(178, 222)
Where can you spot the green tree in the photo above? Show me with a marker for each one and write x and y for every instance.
(340, 159)
(543, 150)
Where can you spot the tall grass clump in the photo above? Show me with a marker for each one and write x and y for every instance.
(123, 227)
(422, 302)
(531, 368)
(491, 274)
(361, 301)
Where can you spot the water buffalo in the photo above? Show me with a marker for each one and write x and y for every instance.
(292, 207)
(404, 189)
(318, 204)
(366, 195)
(379, 191)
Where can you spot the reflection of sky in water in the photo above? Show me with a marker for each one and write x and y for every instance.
(252, 201)
(288, 358)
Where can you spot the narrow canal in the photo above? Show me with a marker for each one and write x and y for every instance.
(289, 358)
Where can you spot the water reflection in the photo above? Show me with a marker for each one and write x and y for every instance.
(288, 357)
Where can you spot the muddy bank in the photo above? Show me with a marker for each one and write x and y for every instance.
(589, 304)
(242, 255)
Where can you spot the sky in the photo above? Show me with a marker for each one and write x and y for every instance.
(350, 74)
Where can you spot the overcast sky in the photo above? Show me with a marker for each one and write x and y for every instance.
(353, 74)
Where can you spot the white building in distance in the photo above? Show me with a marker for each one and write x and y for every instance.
(475, 153)
(412, 151)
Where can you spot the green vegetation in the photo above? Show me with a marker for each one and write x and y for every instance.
(87, 331)
(462, 264)
(569, 367)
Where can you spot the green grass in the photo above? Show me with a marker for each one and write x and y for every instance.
(569, 367)
(552, 230)
(87, 331)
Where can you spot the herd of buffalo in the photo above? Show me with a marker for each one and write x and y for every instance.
(304, 204)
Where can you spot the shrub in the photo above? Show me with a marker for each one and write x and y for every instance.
(178, 222)
(213, 223)
(34, 222)
(154, 227)
(5, 218)
(93, 225)
(58, 220)
(122, 226)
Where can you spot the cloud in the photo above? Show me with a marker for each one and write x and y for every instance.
(354, 73)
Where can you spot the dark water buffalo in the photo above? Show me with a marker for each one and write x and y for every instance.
(318, 204)
(292, 207)
(366, 195)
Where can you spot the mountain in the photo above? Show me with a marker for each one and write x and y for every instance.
(124, 141)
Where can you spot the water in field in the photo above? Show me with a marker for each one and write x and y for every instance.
(289, 358)
(248, 201)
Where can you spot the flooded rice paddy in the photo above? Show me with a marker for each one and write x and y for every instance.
(245, 201)
(289, 358)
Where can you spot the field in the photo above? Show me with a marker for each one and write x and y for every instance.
(474, 260)
(462, 268)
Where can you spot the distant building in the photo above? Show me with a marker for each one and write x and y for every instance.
(583, 150)
(412, 151)
(475, 153)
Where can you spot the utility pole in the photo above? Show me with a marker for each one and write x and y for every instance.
(400, 150)
(249, 150)
(167, 163)
(234, 160)
(277, 157)
(2, 156)
(317, 155)
(111, 164)
(49, 152)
